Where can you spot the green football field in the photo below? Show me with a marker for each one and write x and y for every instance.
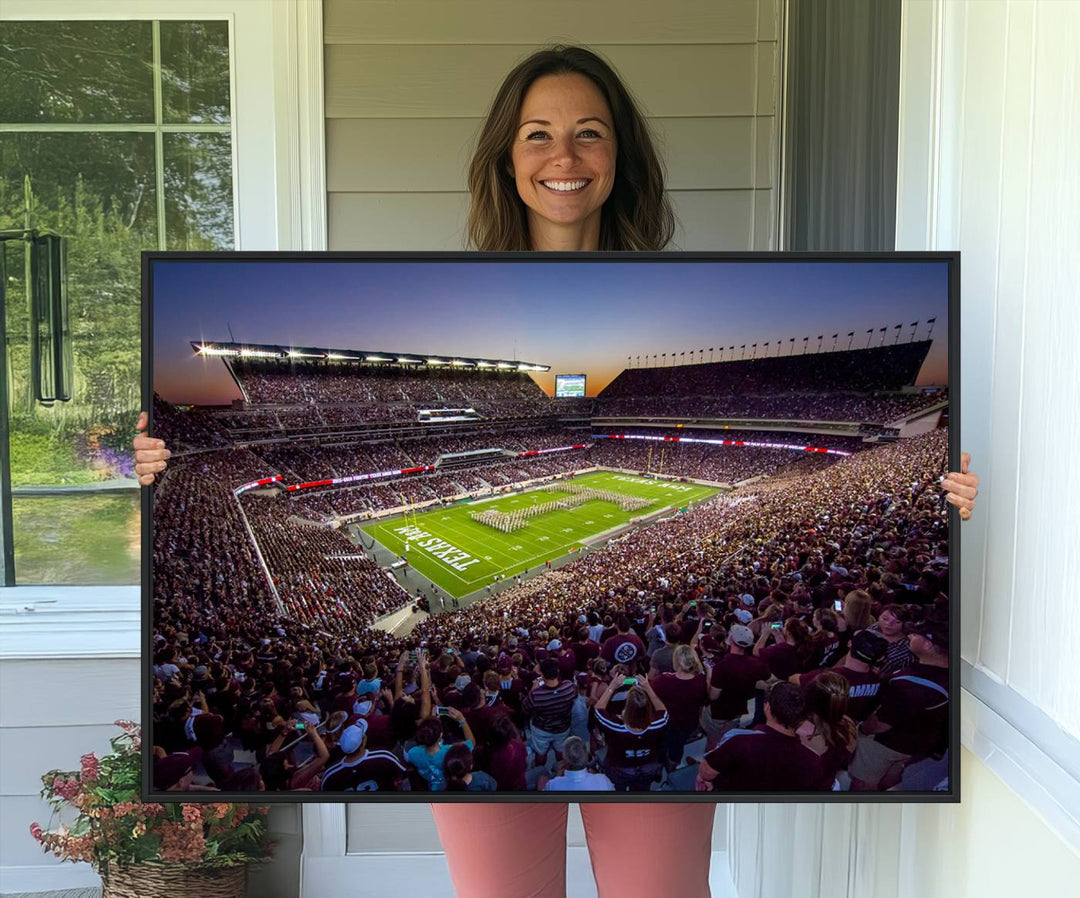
(461, 555)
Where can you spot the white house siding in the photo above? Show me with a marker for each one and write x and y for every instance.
(408, 83)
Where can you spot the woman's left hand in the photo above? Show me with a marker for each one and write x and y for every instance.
(962, 488)
(150, 454)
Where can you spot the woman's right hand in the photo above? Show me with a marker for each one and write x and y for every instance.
(150, 454)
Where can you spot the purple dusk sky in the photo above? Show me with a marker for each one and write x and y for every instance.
(576, 316)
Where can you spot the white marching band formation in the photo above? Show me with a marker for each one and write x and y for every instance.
(508, 522)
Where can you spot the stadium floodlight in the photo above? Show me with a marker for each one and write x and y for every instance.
(297, 354)
(259, 353)
(484, 365)
(461, 363)
(506, 365)
(436, 361)
(343, 358)
(402, 360)
(376, 358)
(214, 350)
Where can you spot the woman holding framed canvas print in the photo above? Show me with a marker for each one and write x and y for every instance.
(565, 162)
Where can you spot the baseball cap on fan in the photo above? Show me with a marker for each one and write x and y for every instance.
(742, 636)
(168, 771)
(709, 644)
(353, 737)
(868, 647)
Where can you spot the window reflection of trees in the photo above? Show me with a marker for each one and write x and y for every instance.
(79, 156)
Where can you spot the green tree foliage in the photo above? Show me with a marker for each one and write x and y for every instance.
(98, 189)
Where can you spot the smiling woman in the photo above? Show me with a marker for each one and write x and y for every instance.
(563, 117)
(563, 160)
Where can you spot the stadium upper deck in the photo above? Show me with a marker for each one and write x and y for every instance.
(289, 397)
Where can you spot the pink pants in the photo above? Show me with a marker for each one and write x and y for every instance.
(519, 850)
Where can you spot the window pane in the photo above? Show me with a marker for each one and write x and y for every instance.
(98, 191)
(77, 540)
(76, 72)
(198, 192)
(195, 72)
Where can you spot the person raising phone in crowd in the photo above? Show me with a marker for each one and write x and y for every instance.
(565, 162)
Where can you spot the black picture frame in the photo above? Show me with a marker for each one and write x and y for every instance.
(952, 795)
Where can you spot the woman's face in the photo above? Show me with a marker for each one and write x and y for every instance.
(890, 625)
(563, 154)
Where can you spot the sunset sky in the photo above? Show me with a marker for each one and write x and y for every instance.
(576, 316)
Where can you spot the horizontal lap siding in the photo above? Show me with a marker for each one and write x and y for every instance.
(478, 22)
(432, 154)
(408, 84)
(52, 713)
(460, 81)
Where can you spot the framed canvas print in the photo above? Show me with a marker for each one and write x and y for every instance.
(599, 527)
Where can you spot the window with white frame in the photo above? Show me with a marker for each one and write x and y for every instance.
(117, 136)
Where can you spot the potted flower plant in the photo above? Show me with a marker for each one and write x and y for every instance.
(142, 849)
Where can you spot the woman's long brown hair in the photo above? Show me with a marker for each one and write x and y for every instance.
(826, 707)
(637, 214)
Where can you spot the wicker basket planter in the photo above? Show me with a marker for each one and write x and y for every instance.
(150, 880)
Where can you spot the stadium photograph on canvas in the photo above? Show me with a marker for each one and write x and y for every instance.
(448, 527)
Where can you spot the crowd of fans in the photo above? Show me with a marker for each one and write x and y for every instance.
(309, 400)
(332, 395)
(848, 407)
(881, 369)
(789, 635)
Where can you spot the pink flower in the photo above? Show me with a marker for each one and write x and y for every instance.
(192, 813)
(181, 842)
(89, 767)
(36, 832)
(65, 788)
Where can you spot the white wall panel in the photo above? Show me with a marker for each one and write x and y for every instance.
(518, 22)
(700, 153)
(391, 827)
(1005, 189)
(397, 221)
(75, 692)
(713, 219)
(1046, 627)
(978, 172)
(28, 752)
(459, 80)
